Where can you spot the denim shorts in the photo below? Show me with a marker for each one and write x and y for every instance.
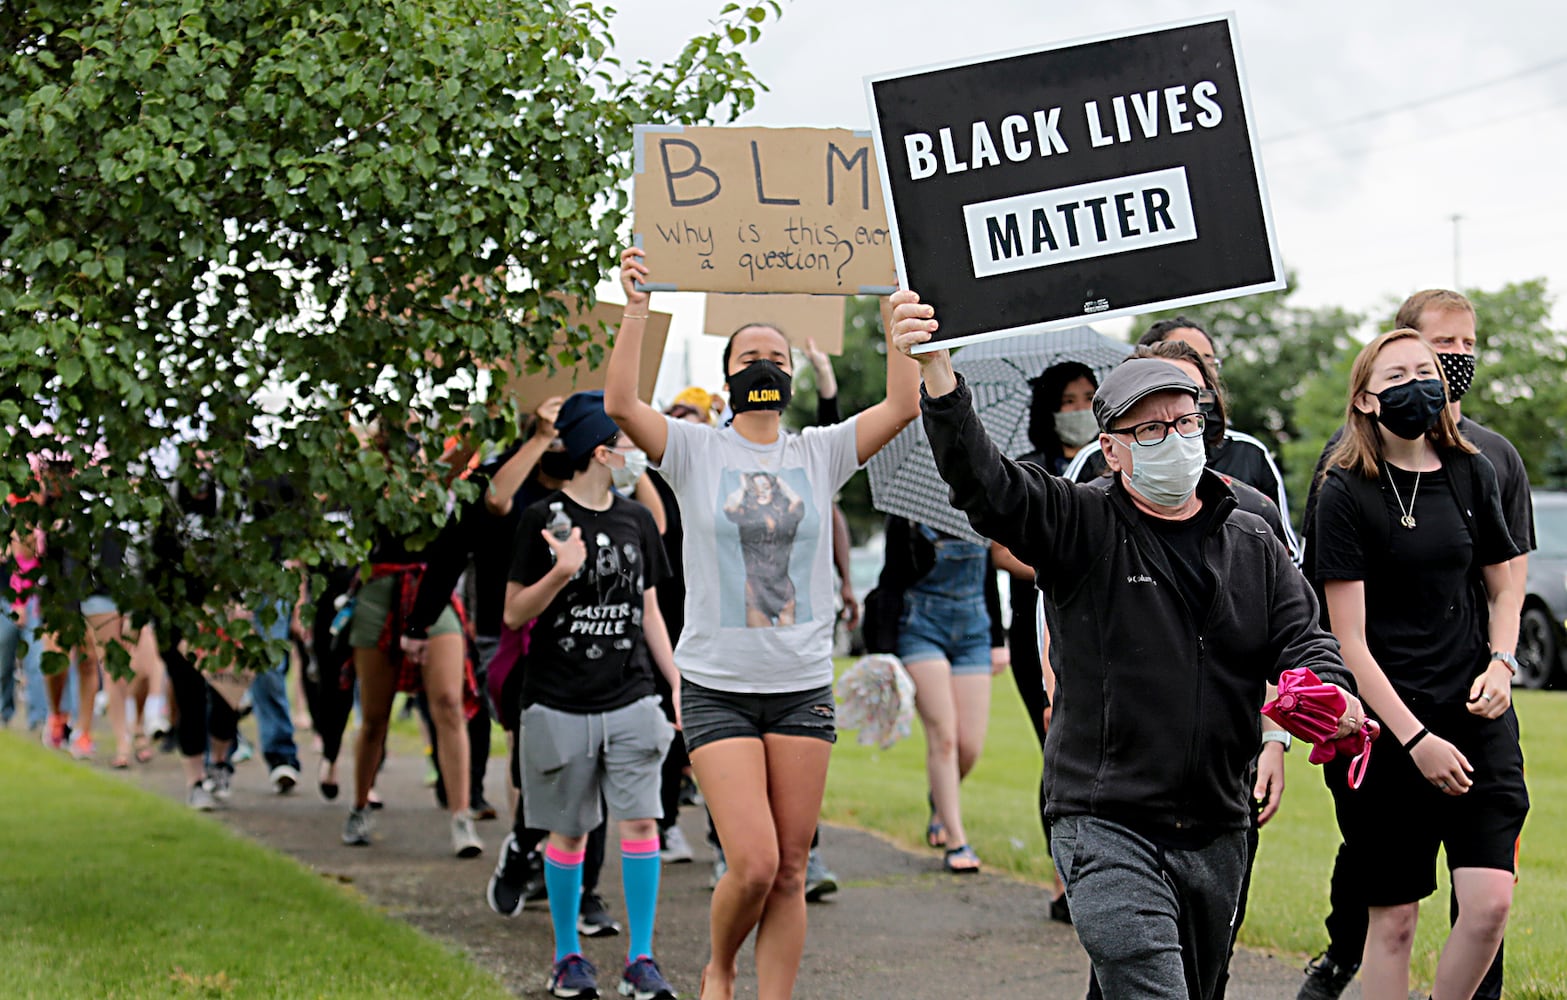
(709, 716)
(98, 604)
(935, 627)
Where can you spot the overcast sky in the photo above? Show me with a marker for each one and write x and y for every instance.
(1477, 95)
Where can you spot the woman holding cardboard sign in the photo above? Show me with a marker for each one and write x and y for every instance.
(757, 679)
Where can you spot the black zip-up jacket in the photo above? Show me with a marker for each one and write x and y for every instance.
(1156, 714)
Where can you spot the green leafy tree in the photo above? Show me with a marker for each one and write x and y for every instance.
(233, 230)
(1520, 386)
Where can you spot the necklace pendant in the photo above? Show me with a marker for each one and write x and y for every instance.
(1408, 521)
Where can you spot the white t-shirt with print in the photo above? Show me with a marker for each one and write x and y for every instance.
(760, 600)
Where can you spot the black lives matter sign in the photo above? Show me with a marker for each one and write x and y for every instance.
(1099, 178)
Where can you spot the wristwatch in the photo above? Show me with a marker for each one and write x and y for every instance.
(1508, 660)
(1278, 736)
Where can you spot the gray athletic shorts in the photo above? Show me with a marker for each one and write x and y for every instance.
(573, 763)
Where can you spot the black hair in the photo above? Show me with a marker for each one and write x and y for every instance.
(581, 464)
(1048, 389)
(1178, 350)
(1160, 331)
(729, 345)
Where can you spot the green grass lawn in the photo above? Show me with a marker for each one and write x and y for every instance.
(884, 791)
(109, 891)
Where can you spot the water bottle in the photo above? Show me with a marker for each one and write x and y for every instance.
(345, 613)
(559, 524)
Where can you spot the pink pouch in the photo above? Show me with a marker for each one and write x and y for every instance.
(1309, 709)
(513, 647)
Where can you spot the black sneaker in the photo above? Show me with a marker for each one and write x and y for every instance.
(508, 888)
(1325, 979)
(593, 919)
(537, 888)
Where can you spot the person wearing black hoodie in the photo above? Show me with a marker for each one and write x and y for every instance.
(1177, 608)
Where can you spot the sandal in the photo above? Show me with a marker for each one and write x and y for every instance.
(964, 853)
(935, 832)
(144, 752)
(120, 761)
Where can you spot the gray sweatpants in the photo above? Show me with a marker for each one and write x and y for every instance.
(1154, 920)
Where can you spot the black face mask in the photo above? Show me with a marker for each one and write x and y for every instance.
(1460, 372)
(760, 385)
(1411, 408)
(556, 465)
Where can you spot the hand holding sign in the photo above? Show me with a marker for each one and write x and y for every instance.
(914, 325)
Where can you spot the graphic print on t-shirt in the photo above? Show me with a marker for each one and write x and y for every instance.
(607, 610)
(768, 530)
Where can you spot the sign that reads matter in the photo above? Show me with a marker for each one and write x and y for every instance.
(760, 210)
(1105, 177)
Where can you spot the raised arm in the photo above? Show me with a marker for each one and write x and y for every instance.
(639, 420)
(508, 479)
(881, 423)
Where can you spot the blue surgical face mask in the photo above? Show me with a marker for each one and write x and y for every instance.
(1166, 474)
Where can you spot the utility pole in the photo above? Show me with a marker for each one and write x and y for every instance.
(1457, 284)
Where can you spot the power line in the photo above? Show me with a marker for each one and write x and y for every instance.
(1420, 103)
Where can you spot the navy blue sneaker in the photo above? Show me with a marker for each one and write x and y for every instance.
(643, 980)
(573, 976)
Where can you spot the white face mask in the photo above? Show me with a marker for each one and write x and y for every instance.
(1166, 474)
(1076, 428)
(626, 475)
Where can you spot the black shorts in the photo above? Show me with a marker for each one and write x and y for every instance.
(708, 716)
(1394, 822)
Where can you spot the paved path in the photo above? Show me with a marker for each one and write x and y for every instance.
(900, 928)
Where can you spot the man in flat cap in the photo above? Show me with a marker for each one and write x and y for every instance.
(1173, 608)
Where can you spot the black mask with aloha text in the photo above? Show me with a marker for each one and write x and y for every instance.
(760, 385)
(1409, 409)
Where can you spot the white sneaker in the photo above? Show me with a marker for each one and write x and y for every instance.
(199, 798)
(356, 831)
(284, 778)
(465, 841)
(676, 850)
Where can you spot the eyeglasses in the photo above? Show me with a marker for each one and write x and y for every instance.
(1207, 397)
(1152, 432)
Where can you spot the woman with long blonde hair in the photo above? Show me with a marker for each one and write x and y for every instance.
(1411, 553)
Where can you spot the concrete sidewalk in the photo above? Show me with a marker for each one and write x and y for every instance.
(899, 926)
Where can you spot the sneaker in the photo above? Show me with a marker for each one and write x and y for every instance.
(284, 778)
(482, 810)
(573, 976)
(676, 850)
(356, 832)
(220, 780)
(537, 888)
(509, 884)
(199, 798)
(643, 980)
(82, 747)
(243, 751)
(54, 731)
(1325, 979)
(593, 920)
(819, 881)
(690, 795)
(431, 775)
(719, 867)
(465, 842)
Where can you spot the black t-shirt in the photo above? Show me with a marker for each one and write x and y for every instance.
(492, 555)
(1424, 622)
(1182, 544)
(586, 653)
(1517, 502)
(672, 592)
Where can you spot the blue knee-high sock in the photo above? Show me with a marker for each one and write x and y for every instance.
(563, 878)
(639, 869)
